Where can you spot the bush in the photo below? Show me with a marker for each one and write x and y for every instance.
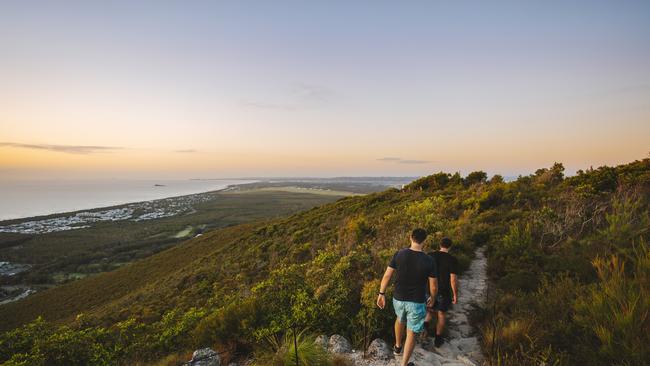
(430, 183)
(39, 343)
(234, 323)
(371, 321)
(426, 214)
(616, 310)
(356, 231)
(477, 177)
(173, 330)
(282, 351)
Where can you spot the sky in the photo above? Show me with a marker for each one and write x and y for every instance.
(216, 89)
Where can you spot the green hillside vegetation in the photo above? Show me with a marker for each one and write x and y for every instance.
(568, 262)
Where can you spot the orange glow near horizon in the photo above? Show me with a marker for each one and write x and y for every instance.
(95, 91)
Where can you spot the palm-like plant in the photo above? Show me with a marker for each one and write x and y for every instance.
(281, 350)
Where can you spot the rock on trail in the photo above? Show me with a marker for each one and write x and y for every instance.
(204, 357)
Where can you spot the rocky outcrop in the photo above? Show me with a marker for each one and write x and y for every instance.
(339, 344)
(322, 340)
(379, 350)
(204, 357)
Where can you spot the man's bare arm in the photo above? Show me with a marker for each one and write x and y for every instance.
(433, 287)
(386, 279)
(454, 287)
(381, 298)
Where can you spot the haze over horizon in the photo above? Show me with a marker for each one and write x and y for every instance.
(177, 90)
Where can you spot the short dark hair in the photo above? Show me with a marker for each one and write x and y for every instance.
(445, 243)
(418, 235)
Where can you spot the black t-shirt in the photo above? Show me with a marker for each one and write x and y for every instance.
(445, 264)
(412, 271)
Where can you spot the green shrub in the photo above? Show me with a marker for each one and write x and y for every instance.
(371, 321)
(130, 334)
(39, 343)
(431, 182)
(231, 324)
(617, 311)
(356, 231)
(625, 223)
(67, 347)
(426, 214)
(477, 177)
(282, 351)
(173, 330)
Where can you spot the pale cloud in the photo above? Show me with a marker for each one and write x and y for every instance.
(70, 149)
(312, 93)
(407, 161)
(258, 105)
(298, 96)
(403, 161)
(389, 159)
(636, 88)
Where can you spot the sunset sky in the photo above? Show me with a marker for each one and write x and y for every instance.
(184, 89)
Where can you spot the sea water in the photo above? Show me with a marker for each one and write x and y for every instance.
(21, 198)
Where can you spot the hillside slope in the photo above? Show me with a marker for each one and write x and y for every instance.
(235, 288)
(231, 258)
(61, 256)
(92, 294)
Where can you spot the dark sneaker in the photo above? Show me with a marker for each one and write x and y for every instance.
(410, 364)
(439, 341)
(397, 350)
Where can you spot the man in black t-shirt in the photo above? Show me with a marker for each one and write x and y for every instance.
(447, 267)
(413, 269)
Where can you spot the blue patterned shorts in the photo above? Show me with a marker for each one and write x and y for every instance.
(411, 313)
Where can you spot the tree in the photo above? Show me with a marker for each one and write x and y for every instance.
(475, 178)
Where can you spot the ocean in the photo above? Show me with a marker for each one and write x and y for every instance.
(21, 199)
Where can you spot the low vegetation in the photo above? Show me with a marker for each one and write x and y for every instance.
(65, 256)
(284, 350)
(568, 264)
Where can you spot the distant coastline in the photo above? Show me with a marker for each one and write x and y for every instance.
(104, 238)
(37, 200)
(134, 211)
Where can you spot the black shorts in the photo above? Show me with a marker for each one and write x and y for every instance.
(441, 303)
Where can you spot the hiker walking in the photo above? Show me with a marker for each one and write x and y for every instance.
(447, 267)
(414, 270)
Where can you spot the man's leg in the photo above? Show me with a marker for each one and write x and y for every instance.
(408, 346)
(427, 319)
(415, 318)
(399, 332)
(440, 325)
